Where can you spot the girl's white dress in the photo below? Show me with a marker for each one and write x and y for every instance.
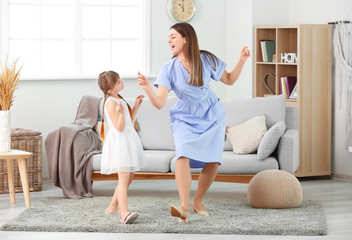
(122, 151)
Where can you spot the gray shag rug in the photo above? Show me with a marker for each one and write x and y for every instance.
(228, 216)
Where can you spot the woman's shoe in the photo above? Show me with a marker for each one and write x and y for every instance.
(178, 212)
(130, 217)
(204, 213)
(112, 211)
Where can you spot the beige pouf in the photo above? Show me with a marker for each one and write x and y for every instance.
(274, 189)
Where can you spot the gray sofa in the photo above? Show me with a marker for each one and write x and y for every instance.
(157, 141)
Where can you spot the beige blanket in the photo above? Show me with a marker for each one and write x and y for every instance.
(70, 148)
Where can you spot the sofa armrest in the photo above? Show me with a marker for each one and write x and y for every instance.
(288, 151)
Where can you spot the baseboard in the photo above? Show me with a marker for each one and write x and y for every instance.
(342, 177)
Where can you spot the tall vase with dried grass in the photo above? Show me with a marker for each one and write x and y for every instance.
(9, 77)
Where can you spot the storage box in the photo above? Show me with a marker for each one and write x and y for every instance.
(30, 141)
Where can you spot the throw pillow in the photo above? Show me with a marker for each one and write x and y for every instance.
(245, 137)
(270, 140)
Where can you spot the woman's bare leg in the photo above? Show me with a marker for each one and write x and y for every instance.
(205, 180)
(183, 181)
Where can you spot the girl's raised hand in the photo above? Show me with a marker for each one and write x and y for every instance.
(143, 82)
(139, 100)
(244, 54)
(120, 109)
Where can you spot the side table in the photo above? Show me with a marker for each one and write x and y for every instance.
(21, 157)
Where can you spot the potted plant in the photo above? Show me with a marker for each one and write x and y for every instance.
(9, 77)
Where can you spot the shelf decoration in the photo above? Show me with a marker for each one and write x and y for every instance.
(288, 57)
(266, 82)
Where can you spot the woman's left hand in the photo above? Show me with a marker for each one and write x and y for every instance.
(143, 82)
(244, 54)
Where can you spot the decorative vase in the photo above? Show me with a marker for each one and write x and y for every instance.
(5, 131)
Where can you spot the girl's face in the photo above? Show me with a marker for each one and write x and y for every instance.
(177, 42)
(117, 87)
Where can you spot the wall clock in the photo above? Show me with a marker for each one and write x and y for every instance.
(181, 10)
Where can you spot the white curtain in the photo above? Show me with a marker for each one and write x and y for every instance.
(343, 54)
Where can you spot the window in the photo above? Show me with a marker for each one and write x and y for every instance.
(75, 38)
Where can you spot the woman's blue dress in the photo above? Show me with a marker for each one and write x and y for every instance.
(198, 118)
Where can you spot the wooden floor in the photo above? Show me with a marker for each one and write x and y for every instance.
(336, 196)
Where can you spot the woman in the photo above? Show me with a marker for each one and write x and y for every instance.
(198, 118)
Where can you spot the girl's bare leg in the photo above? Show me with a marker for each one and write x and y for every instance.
(114, 201)
(124, 182)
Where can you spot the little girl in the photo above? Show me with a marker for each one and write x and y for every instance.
(122, 150)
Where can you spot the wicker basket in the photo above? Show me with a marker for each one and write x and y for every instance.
(30, 141)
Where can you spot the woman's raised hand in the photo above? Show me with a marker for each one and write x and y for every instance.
(244, 54)
(143, 82)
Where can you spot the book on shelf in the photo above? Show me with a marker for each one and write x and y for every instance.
(261, 47)
(262, 51)
(287, 85)
(291, 82)
(293, 94)
(268, 49)
(283, 86)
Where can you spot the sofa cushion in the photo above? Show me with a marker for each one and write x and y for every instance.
(96, 162)
(155, 131)
(240, 110)
(270, 140)
(155, 161)
(239, 164)
(249, 163)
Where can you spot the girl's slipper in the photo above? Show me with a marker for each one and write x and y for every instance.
(130, 217)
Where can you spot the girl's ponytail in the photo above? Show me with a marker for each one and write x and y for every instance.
(135, 123)
(102, 131)
(128, 106)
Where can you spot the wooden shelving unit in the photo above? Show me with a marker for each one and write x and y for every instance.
(312, 44)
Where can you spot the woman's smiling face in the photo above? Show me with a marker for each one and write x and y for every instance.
(177, 42)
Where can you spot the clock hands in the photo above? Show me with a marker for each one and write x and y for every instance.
(182, 6)
(180, 10)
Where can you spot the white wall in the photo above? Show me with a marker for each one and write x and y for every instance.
(241, 16)
(302, 11)
(239, 29)
(270, 12)
(223, 27)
